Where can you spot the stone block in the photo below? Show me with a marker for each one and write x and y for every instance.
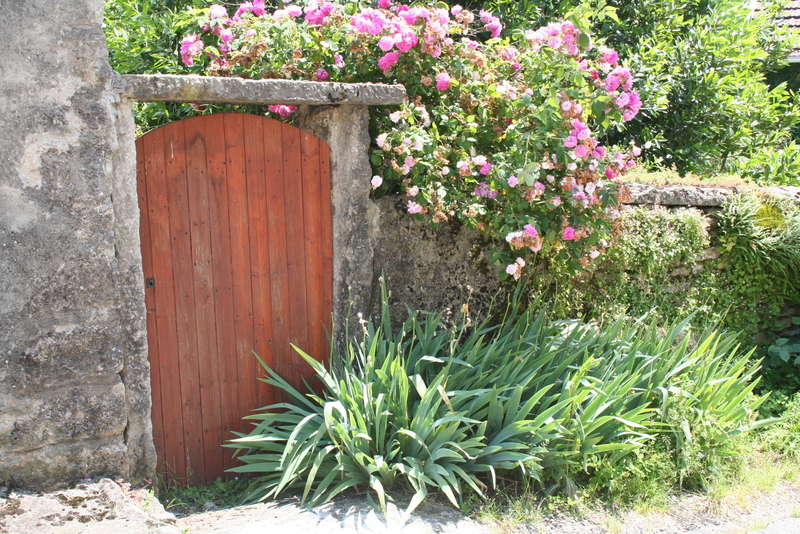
(711, 253)
(677, 195)
(62, 416)
(72, 354)
(60, 466)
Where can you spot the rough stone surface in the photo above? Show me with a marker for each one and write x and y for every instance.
(72, 358)
(788, 191)
(208, 90)
(427, 269)
(90, 508)
(346, 130)
(678, 195)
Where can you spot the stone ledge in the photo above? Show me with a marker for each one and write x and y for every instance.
(211, 90)
(699, 196)
(678, 195)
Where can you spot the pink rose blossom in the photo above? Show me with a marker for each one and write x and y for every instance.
(414, 207)
(384, 4)
(568, 234)
(442, 81)
(581, 151)
(386, 43)
(376, 182)
(530, 230)
(513, 181)
(485, 169)
(387, 61)
(338, 61)
(369, 21)
(322, 74)
(318, 16)
(217, 11)
(282, 111)
(191, 47)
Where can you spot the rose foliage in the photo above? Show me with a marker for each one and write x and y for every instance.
(501, 132)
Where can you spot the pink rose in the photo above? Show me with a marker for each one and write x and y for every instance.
(442, 81)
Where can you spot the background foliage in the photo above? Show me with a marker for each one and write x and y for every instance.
(703, 69)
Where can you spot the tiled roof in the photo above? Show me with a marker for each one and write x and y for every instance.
(791, 18)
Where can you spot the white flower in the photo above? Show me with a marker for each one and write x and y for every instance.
(376, 181)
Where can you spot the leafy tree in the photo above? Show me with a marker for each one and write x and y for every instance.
(702, 67)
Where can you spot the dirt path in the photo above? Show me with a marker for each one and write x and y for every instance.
(106, 507)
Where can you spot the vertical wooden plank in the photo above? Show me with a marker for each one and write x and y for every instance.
(276, 235)
(185, 316)
(195, 130)
(242, 359)
(158, 206)
(312, 240)
(295, 254)
(223, 278)
(258, 392)
(149, 299)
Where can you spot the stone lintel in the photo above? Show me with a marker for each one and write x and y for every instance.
(212, 90)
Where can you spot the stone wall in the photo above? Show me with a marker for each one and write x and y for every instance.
(427, 269)
(74, 376)
(74, 392)
(437, 269)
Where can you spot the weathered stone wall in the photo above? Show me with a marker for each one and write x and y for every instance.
(74, 377)
(74, 397)
(427, 269)
(437, 269)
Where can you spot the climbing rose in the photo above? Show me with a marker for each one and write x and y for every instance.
(322, 74)
(191, 47)
(568, 234)
(442, 81)
(282, 111)
(217, 11)
(376, 181)
(413, 207)
(386, 43)
(386, 62)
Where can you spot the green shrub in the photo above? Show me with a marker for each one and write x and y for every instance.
(453, 408)
(783, 438)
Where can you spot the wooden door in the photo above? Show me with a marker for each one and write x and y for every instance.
(237, 252)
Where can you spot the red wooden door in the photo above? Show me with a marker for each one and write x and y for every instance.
(237, 251)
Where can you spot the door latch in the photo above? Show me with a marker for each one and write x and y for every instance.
(150, 282)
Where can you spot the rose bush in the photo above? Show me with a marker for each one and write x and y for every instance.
(500, 132)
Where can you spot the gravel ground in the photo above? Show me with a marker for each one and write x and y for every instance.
(105, 506)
